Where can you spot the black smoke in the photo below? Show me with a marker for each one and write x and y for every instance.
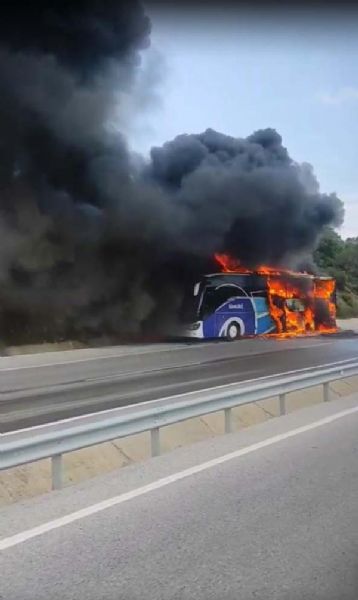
(93, 240)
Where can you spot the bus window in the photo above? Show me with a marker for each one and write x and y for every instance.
(215, 297)
(295, 305)
(188, 311)
(208, 302)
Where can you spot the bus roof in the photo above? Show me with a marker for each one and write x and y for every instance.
(258, 274)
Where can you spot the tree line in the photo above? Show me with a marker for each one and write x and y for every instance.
(339, 258)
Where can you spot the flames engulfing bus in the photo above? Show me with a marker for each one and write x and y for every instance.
(238, 302)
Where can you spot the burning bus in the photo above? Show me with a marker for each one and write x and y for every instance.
(237, 302)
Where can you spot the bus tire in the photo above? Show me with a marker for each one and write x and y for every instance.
(233, 332)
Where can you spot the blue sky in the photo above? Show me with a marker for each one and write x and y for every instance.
(238, 73)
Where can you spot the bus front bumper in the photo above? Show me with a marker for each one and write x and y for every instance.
(194, 330)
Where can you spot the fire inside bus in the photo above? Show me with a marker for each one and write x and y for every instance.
(238, 302)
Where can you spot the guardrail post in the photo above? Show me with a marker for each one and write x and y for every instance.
(326, 392)
(57, 471)
(228, 420)
(155, 441)
(282, 400)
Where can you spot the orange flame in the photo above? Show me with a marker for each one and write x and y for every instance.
(284, 285)
(232, 265)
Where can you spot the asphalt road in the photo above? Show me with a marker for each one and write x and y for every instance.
(277, 522)
(40, 389)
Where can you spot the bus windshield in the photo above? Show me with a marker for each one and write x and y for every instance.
(189, 310)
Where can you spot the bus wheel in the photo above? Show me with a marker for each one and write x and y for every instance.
(233, 332)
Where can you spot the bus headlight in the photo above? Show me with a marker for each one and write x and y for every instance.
(194, 326)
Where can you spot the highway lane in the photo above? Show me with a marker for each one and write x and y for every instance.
(160, 375)
(71, 366)
(276, 519)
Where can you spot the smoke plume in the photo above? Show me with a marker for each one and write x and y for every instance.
(93, 240)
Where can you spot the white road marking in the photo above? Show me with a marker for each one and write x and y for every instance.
(29, 534)
(79, 383)
(131, 373)
(134, 352)
(92, 358)
(108, 411)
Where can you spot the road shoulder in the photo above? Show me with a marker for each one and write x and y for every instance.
(32, 513)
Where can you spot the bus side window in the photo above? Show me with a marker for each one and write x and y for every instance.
(295, 305)
(224, 293)
(214, 298)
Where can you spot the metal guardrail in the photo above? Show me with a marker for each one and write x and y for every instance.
(53, 440)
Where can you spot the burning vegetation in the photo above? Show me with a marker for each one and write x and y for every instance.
(96, 240)
(299, 303)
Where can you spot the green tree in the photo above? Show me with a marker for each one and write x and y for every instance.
(339, 258)
(329, 250)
